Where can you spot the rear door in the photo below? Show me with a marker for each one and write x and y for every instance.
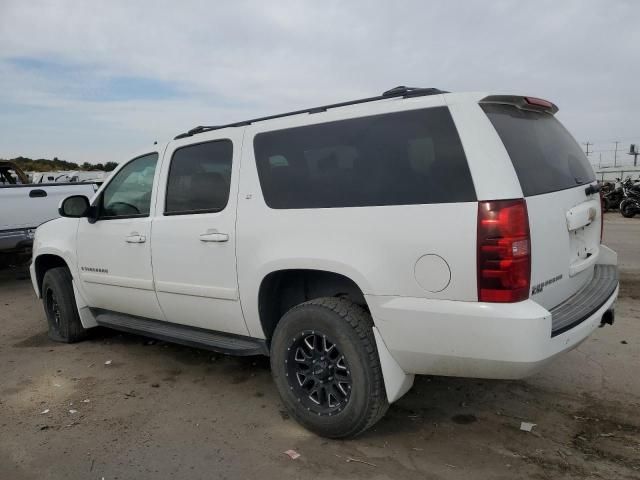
(564, 214)
(194, 233)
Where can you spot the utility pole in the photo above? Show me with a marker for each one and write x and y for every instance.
(587, 144)
(600, 162)
(615, 154)
(633, 150)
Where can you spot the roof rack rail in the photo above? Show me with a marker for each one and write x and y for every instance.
(400, 91)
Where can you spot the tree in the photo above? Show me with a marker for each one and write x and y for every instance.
(109, 166)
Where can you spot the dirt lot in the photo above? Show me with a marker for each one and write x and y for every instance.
(164, 411)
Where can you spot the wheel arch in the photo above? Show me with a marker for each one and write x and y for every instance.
(43, 263)
(282, 289)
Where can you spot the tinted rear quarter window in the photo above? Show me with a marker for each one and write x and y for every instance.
(199, 178)
(403, 158)
(545, 156)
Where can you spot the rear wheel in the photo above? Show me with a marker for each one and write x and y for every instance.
(609, 204)
(325, 364)
(60, 306)
(627, 208)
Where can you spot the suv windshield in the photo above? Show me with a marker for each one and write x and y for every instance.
(544, 154)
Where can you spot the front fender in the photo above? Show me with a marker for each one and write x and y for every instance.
(57, 238)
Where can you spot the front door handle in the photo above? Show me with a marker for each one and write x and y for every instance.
(209, 236)
(136, 238)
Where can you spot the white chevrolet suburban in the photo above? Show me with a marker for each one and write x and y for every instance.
(358, 244)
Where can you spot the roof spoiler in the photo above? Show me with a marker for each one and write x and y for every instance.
(524, 103)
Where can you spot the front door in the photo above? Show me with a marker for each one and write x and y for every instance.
(193, 240)
(114, 254)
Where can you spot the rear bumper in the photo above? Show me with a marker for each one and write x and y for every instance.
(586, 301)
(16, 239)
(473, 339)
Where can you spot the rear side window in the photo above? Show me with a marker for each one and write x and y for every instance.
(199, 178)
(544, 154)
(402, 158)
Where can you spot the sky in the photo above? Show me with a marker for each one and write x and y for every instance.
(101, 81)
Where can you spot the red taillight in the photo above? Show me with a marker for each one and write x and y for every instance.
(504, 251)
(538, 102)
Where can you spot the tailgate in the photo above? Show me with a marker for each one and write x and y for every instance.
(555, 177)
(565, 242)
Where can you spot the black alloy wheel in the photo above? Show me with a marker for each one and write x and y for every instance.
(53, 309)
(318, 373)
(324, 361)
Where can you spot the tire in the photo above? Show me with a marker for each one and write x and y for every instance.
(344, 393)
(609, 204)
(627, 209)
(60, 306)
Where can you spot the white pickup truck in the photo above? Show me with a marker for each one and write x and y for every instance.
(25, 206)
(357, 244)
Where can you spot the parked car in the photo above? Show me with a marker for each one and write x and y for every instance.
(358, 244)
(69, 176)
(24, 206)
(11, 174)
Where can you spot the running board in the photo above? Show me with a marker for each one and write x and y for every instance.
(227, 343)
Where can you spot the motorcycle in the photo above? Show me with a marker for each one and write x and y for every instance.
(630, 205)
(612, 195)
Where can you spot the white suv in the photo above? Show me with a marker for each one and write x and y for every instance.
(357, 244)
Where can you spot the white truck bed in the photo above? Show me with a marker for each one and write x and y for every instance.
(24, 207)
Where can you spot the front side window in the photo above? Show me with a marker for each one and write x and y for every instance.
(401, 158)
(199, 178)
(129, 193)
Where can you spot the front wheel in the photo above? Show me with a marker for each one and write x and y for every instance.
(60, 306)
(325, 364)
(627, 208)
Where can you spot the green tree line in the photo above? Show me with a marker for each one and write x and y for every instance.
(46, 165)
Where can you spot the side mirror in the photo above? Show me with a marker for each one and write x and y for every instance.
(75, 206)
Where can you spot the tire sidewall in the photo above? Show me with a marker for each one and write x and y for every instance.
(58, 281)
(626, 209)
(324, 320)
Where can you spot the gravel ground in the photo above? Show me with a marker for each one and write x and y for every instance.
(164, 411)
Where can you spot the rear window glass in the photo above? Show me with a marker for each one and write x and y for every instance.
(544, 154)
(402, 158)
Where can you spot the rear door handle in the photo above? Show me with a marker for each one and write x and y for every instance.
(213, 237)
(37, 193)
(135, 238)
